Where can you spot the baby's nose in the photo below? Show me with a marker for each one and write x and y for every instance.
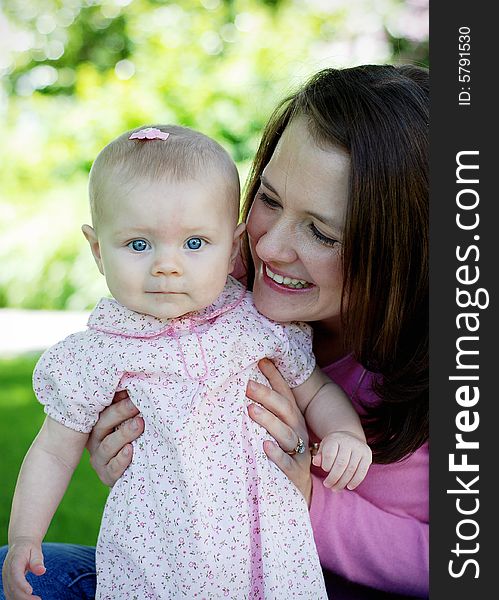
(167, 262)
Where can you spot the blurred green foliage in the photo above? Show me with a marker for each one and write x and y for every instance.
(78, 516)
(75, 73)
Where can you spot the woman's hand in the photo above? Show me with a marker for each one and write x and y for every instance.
(281, 417)
(109, 441)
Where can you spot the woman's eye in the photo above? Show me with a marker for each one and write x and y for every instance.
(323, 239)
(268, 201)
(194, 243)
(138, 245)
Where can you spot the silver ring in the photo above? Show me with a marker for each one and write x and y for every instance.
(298, 449)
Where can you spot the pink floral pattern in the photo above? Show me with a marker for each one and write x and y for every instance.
(201, 512)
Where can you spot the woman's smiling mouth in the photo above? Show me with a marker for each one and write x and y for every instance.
(291, 283)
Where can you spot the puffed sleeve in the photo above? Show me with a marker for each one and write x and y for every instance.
(295, 359)
(75, 380)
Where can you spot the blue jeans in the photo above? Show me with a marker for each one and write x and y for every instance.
(71, 576)
(70, 573)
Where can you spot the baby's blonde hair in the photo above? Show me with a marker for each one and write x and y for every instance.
(184, 155)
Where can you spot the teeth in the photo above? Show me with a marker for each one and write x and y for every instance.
(288, 281)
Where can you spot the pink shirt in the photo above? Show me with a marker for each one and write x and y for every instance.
(376, 535)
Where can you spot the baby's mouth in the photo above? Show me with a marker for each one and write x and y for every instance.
(295, 284)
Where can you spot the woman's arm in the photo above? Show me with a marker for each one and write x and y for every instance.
(109, 443)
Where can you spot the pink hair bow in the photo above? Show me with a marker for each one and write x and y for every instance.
(149, 133)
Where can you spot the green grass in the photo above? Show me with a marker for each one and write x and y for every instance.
(78, 516)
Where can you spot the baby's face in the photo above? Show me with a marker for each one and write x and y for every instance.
(166, 248)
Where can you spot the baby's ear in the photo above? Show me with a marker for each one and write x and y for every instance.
(236, 245)
(93, 241)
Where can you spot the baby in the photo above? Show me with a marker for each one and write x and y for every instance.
(201, 511)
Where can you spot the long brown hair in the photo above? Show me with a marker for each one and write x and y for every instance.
(379, 114)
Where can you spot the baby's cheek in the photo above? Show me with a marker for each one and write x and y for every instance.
(210, 286)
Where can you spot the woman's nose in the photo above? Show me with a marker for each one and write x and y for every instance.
(276, 245)
(167, 262)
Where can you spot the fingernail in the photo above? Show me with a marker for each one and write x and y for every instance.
(130, 404)
(256, 409)
(269, 447)
(251, 385)
(134, 425)
(126, 450)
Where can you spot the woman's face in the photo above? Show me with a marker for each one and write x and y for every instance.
(295, 230)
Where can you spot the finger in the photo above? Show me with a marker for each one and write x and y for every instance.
(119, 464)
(297, 471)
(111, 417)
(116, 442)
(285, 436)
(284, 408)
(274, 377)
(340, 464)
(17, 593)
(121, 395)
(329, 454)
(276, 454)
(348, 473)
(360, 474)
(317, 459)
(19, 585)
(36, 565)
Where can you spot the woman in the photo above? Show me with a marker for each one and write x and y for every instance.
(337, 203)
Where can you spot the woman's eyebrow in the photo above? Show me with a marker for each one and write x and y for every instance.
(327, 221)
(268, 185)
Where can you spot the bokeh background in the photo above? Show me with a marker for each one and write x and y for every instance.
(74, 74)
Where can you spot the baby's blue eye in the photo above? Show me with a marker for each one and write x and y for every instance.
(194, 243)
(138, 245)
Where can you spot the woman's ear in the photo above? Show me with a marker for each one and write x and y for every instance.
(93, 241)
(236, 244)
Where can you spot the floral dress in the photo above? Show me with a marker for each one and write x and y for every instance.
(201, 512)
